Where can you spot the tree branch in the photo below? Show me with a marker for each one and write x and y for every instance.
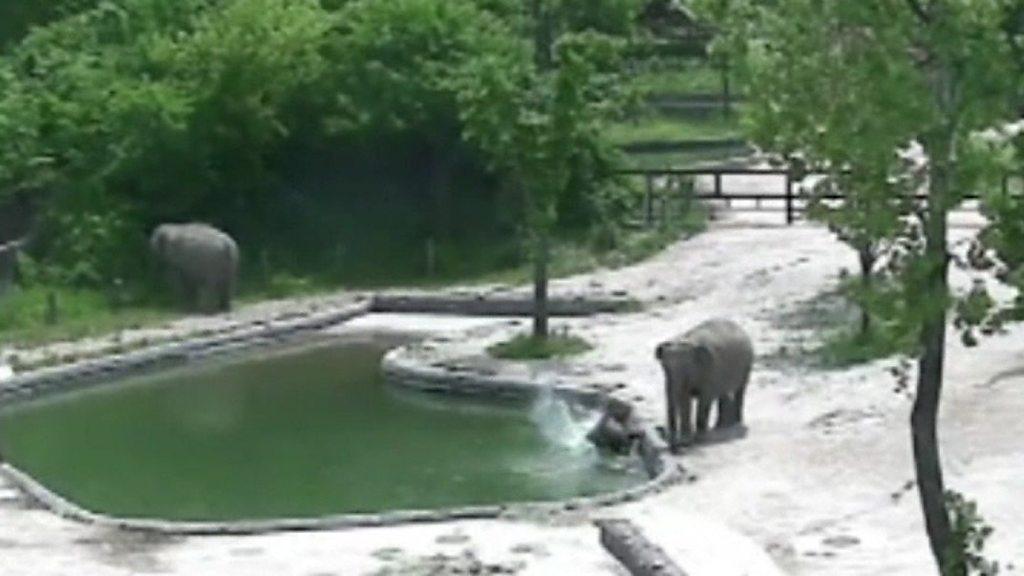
(919, 11)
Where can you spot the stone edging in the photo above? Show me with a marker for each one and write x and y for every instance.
(482, 304)
(88, 373)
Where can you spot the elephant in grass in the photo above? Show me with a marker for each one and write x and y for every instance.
(711, 362)
(201, 263)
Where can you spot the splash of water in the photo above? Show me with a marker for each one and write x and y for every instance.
(557, 422)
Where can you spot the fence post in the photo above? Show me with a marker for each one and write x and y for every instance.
(726, 90)
(789, 198)
(649, 201)
(663, 201)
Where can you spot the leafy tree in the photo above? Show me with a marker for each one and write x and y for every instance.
(534, 120)
(394, 65)
(860, 86)
(242, 65)
(18, 16)
(147, 111)
(848, 129)
(159, 110)
(610, 17)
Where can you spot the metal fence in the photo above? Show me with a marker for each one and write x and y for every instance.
(663, 186)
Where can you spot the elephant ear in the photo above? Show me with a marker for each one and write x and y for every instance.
(703, 358)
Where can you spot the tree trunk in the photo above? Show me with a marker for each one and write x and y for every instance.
(924, 417)
(726, 89)
(541, 255)
(543, 35)
(867, 264)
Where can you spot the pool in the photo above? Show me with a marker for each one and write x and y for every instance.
(307, 431)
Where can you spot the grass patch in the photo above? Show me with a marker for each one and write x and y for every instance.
(679, 78)
(79, 314)
(684, 159)
(526, 347)
(661, 129)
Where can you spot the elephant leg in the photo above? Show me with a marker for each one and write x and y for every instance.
(738, 405)
(205, 296)
(726, 414)
(673, 420)
(672, 408)
(191, 295)
(224, 297)
(686, 405)
(703, 414)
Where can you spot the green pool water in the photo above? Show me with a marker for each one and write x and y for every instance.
(304, 432)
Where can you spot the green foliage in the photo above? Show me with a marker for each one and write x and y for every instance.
(167, 110)
(847, 97)
(970, 532)
(1001, 245)
(396, 61)
(851, 347)
(18, 16)
(95, 246)
(528, 347)
(269, 118)
(613, 17)
(610, 17)
(542, 130)
(188, 110)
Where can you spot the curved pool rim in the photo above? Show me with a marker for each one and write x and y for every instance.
(69, 378)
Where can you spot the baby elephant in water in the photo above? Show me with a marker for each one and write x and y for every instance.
(711, 362)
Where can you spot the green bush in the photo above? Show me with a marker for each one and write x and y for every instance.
(970, 533)
(527, 347)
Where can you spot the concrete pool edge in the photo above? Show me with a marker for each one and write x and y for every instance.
(490, 302)
(64, 508)
(94, 372)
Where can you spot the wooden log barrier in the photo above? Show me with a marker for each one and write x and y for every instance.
(632, 549)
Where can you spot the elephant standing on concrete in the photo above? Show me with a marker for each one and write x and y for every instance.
(711, 362)
(201, 263)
